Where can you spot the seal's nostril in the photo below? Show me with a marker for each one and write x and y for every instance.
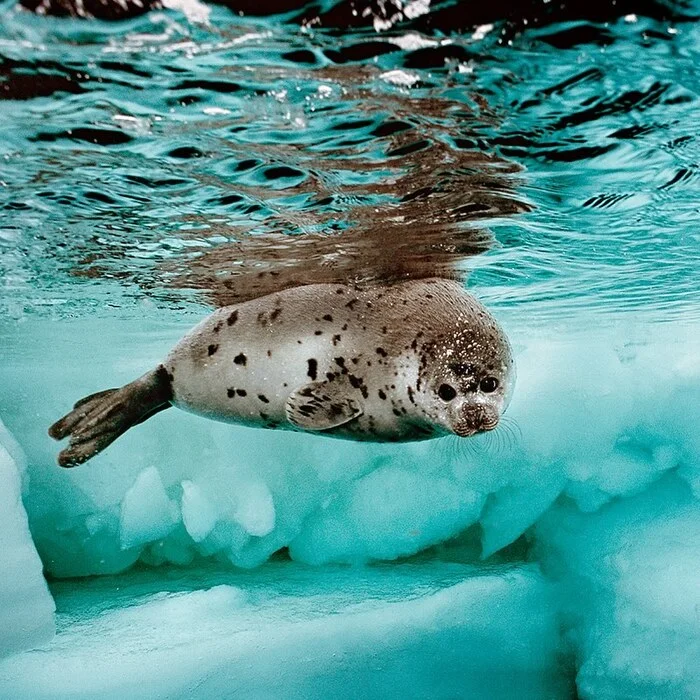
(480, 417)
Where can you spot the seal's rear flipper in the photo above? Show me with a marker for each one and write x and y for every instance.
(99, 419)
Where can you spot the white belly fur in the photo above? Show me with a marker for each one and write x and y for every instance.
(273, 361)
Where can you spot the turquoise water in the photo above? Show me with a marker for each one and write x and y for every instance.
(152, 158)
(153, 168)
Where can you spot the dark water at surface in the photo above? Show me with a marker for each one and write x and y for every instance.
(181, 161)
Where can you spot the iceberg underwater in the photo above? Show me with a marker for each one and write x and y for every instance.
(574, 545)
(556, 557)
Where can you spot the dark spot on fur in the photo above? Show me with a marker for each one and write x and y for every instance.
(364, 392)
(328, 317)
(428, 296)
(240, 359)
(263, 398)
(264, 416)
(340, 361)
(275, 314)
(382, 352)
(384, 330)
(382, 395)
(340, 290)
(217, 327)
(396, 411)
(352, 303)
(410, 395)
(355, 360)
(299, 341)
(313, 368)
(336, 339)
(212, 349)
(230, 393)
(330, 376)
(241, 392)
(355, 381)
(232, 318)
(345, 327)
(269, 353)
(262, 318)
(318, 332)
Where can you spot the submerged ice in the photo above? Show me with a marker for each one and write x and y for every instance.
(590, 422)
(592, 480)
(26, 606)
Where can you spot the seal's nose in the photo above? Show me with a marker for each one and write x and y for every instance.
(480, 417)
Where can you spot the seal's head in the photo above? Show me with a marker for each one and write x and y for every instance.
(468, 376)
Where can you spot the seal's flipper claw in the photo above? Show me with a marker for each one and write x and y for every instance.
(323, 405)
(99, 419)
(79, 453)
(64, 427)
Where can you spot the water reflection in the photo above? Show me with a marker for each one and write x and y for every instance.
(384, 189)
(181, 161)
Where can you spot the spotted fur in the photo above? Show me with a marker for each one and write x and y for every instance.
(363, 363)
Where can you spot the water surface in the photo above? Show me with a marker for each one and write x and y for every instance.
(174, 162)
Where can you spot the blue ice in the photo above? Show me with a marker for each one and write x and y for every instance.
(564, 550)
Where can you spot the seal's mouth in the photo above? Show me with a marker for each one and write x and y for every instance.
(464, 431)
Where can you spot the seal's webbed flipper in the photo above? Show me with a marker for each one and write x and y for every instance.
(99, 419)
(322, 405)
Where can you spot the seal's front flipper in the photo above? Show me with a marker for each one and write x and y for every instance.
(99, 419)
(323, 405)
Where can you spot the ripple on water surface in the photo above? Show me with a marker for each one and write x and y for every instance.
(209, 160)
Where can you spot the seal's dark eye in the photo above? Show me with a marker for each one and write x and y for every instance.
(488, 384)
(446, 392)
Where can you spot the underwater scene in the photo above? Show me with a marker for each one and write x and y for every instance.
(277, 164)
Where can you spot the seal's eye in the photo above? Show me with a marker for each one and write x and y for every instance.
(446, 392)
(488, 384)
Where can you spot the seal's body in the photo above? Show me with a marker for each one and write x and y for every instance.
(405, 362)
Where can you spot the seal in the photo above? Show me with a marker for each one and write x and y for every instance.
(410, 361)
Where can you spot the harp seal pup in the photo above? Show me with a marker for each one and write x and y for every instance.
(411, 361)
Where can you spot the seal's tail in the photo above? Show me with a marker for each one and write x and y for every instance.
(99, 419)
